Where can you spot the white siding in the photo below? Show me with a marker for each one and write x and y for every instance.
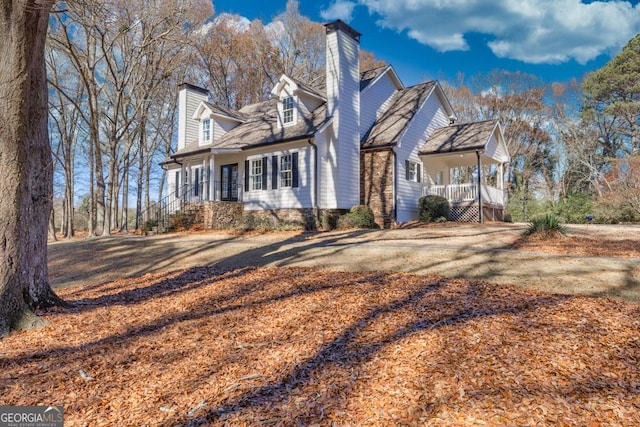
(307, 104)
(327, 169)
(374, 100)
(171, 178)
(495, 150)
(222, 126)
(282, 198)
(188, 128)
(430, 117)
(343, 103)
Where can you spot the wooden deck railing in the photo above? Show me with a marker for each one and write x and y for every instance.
(457, 193)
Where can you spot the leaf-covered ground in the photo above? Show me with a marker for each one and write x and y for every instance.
(294, 346)
(573, 245)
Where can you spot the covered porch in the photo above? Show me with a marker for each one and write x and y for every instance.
(466, 193)
(467, 165)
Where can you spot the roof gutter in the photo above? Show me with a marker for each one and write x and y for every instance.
(172, 160)
(280, 141)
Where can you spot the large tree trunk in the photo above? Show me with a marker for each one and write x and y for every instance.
(26, 184)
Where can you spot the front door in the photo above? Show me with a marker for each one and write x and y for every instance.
(229, 182)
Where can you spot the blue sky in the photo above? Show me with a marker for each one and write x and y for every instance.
(437, 39)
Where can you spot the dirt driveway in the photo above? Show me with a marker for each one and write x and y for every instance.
(468, 250)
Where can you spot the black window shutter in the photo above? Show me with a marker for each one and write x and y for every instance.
(265, 161)
(294, 169)
(418, 172)
(274, 172)
(246, 175)
(406, 170)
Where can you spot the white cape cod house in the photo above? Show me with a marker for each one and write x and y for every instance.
(359, 138)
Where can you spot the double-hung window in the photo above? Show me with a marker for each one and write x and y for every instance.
(256, 174)
(206, 130)
(287, 110)
(286, 171)
(413, 171)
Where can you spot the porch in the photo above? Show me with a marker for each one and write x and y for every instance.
(467, 164)
(467, 193)
(214, 191)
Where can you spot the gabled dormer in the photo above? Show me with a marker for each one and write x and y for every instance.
(214, 122)
(295, 99)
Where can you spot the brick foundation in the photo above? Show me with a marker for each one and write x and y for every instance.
(306, 217)
(218, 215)
(376, 184)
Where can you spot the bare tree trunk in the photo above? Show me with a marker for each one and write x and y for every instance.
(139, 185)
(93, 214)
(68, 206)
(124, 226)
(113, 175)
(102, 210)
(26, 183)
(52, 225)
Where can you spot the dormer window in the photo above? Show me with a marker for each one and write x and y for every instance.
(287, 110)
(206, 130)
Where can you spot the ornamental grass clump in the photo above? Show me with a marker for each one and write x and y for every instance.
(545, 226)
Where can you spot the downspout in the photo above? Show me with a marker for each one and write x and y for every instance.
(314, 187)
(480, 216)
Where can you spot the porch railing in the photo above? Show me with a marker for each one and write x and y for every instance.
(214, 193)
(468, 192)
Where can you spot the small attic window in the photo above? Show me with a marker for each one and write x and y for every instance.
(206, 130)
(287, 110)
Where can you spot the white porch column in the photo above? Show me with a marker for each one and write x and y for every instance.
(500, 180)
(183, 182)
(212, 178)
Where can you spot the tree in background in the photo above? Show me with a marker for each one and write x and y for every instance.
(612, 98)
(127, 56)
(517, 100)
(26, 164)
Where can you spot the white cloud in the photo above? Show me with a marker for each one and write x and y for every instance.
(236, 22)
(339, 9)
(533, 31)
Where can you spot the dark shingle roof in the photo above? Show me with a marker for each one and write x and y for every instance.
(226, 112)
(261, 127)
(388, 129)
(260, 121)
(311, 89)
(366, 77)
(462, 137)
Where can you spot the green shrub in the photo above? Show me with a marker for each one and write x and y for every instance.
(606, 212)
(574, 208)
(360, 216)
(329, 220)
(150, 224)
(508, 217)
(546, 224)
(430, 208)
